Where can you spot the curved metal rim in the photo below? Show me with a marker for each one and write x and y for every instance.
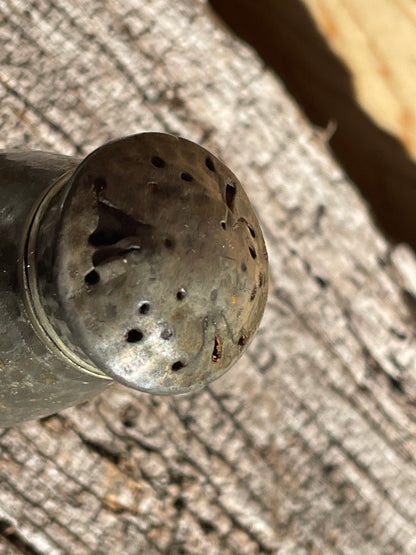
(29, 286)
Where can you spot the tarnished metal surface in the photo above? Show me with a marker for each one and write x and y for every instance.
(162, 268)
(146, 264)
(34, 381)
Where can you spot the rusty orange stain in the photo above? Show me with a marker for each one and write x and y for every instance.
(385, 70)
(233, 299)
(329, 26)
(407, 125)
(217, 352)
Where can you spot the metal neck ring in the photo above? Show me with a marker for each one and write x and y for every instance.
(29, 285)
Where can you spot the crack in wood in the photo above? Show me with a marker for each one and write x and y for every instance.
(14, 538)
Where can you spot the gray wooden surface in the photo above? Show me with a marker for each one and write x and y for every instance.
(308, 444)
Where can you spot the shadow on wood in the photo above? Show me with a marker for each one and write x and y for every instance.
(286, 37)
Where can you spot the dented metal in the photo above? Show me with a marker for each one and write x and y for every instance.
(145, 264)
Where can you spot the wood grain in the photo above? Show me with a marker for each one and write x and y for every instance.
(308, 444)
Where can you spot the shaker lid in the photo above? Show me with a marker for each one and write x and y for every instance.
(160, 266)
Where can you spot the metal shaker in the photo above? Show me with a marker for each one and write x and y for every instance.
(143, 263)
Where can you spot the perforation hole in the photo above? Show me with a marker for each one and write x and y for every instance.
(181, 294)
(230, 192)
(252, 231)
(92, 277)
(178, 365)
(158, 162)
(186, 176)
(209, 164)
(252, 252)
(144, 308)
(134, 336)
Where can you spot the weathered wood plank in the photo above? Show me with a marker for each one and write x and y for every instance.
(308, 444)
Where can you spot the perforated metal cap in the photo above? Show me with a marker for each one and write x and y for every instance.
(161, 269)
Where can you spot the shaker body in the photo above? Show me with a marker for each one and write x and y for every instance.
(34, 381)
